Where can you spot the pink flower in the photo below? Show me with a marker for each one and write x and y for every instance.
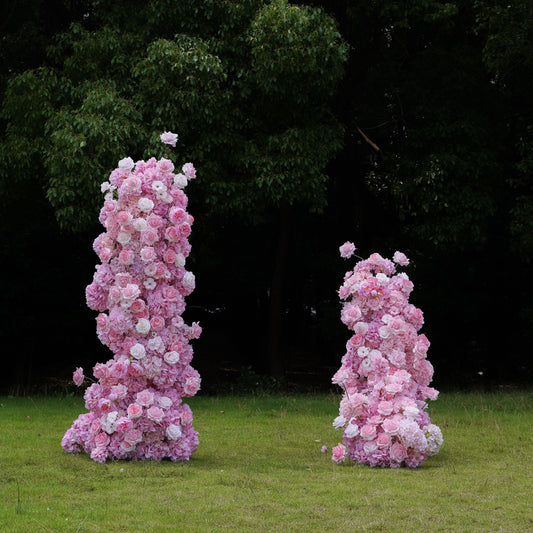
(398, 452)
(156, 414)
(368, 432)
(400, 258)
(192, 385)
(324, 449)
(102, 439)
(145, 398)
(338, 453)
(134, 410)
(173, 432)
(347, 250)
(165, 165)
(189, 171)
(133, 436)
(168, 137)
(78, 376)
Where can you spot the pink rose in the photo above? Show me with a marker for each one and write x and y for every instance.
(168, 137)
(124, 424)
(134, 410)
(133, 436)
(192, 385)
(130, 291)
(165, 165)
(338, 453)
(177, 215)
(126, 257)
(169, 256)
(347, 250)
(400, 258)
(145, 398)
(398, 452)
(102, 321)
(391, 426)
(147, 254)
(149, 236)
(172, 234)
(157, 323)
(124, 218)
(138, 306)
(78, 376)
(383, 440)
(102, 439)
(185, 230)
(368, 432)
(155, 414)
(189, 170)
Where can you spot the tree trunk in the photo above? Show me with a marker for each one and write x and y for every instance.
(275, 312)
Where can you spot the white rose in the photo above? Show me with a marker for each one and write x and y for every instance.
(180, 181)
(126, 163)
(172, 357)
(173, 432)
(138, 351)
(145, 205)
(189, 279)
(143, 326)
(139, 224)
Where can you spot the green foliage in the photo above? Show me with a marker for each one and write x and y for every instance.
(206, 70)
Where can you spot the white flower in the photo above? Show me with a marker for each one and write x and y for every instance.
(126, 164)
(124, 237)
(361, 328)
(140, 224)
(159, 187)
(168, 137)
(173, 432)
(156, 344)
(382, 278)
(172, 357)
(411, 412)
(352, 429)
(164, 402)
(150, 284)
(363, 351)
(180, 181)
(145, 205)
(385, 332)
(109, 421)
(180, 260)
(143, 326)
(105, 186)
(189, 279)
(137, 350)
(339, 422)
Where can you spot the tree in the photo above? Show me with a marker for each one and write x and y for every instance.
(248, 85)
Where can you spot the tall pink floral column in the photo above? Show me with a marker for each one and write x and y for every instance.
(135, 407)
(385, 374)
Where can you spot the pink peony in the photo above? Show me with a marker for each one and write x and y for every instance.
(134, 410)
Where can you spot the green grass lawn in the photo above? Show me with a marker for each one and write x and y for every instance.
(259, 467)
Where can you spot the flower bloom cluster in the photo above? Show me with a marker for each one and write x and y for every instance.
(135, 406)
(385, 374)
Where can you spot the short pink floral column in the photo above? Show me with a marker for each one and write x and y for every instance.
(135, 406)
(385, 374)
